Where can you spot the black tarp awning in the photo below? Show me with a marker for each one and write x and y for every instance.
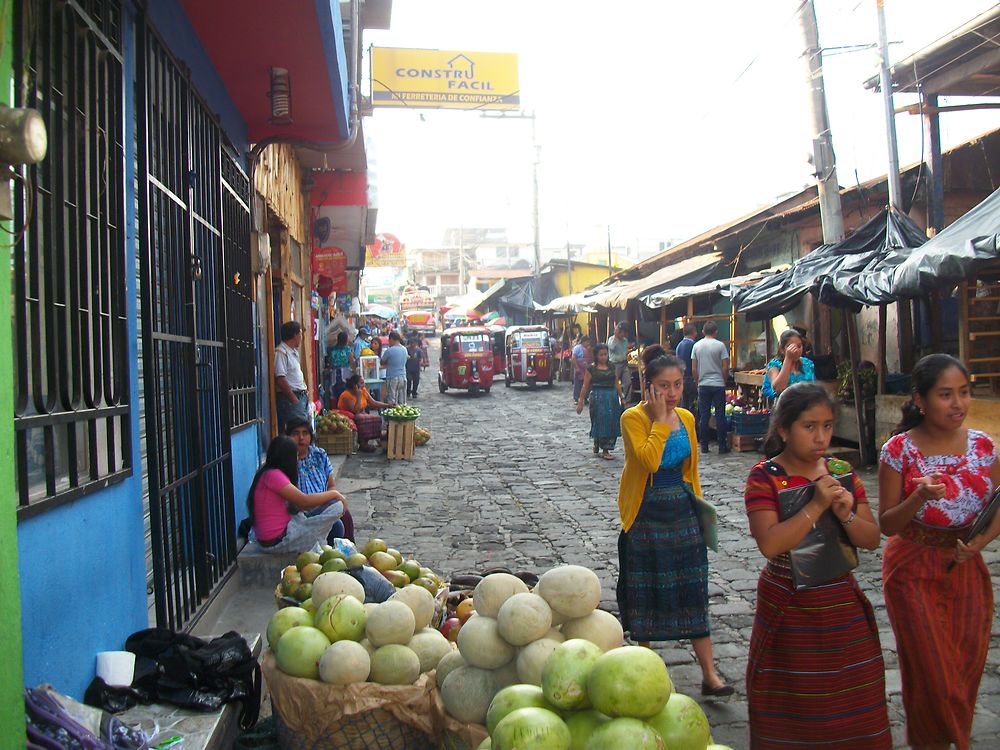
(850, 274)
(953, 255)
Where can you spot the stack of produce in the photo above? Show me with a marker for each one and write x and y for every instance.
(546, 670)
(345, 641)
(399, 572)
(421, 435)
(334, 423)
(401, 413)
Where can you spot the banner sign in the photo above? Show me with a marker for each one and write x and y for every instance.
(331, 263)
(444, 79)
(386, 252)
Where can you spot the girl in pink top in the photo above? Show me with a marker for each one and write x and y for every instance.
(273, 496)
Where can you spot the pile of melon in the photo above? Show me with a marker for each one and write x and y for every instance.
(546, 670)
(347, 641)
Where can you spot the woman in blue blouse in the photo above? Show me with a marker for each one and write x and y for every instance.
(789, 366)
(316, 473)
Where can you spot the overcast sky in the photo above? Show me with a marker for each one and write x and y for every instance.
(648, 116)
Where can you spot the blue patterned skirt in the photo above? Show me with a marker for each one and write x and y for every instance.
(663, 568)
(605, 416)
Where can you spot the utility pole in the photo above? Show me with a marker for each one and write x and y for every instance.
(823, 154)
(461, 261)
(609, 252)
(534, 198)
(569, 268)
(895, 189)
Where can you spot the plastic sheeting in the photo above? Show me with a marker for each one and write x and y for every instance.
(855, 272)
(953, 255)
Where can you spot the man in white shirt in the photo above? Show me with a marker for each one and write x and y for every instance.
(618, 358)
(291, 397)
(710, 365)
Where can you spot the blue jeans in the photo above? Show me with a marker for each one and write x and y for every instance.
(286, 409)
(712, 397)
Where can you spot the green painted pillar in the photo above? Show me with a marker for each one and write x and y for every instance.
(11, 673)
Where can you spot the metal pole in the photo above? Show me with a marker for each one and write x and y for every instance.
(823, 155)
(569, 268)
(609, 252)
(895, 189)
(534, 197)
(461, 261)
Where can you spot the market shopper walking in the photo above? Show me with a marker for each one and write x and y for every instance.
(291, 397)
(935, 477)
(815, 675)
(582, 359)
(618, 358)
(684, 347)
(394, 359)
(789, 367)
(414, 363)
(602, 385)
(358, 347)
(710, 369)
(663, 562)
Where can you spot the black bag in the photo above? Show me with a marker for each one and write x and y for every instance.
(826, 551)
(188, 672)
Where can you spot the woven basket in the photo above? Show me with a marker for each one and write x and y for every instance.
(373, 730)
(336, 443)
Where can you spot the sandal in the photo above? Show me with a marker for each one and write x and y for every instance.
(607, 457)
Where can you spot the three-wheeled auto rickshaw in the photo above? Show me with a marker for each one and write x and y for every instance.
(466, 359)
(529, 355)
(499, 334)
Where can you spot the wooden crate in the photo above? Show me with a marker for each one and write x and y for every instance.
(337, 443)
(402, 440)
(746, 443)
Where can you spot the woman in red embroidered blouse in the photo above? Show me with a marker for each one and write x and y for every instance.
(935, 476)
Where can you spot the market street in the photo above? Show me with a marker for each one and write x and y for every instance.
(509, 479)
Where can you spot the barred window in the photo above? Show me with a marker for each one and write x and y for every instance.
(239, 296)
(71, 368)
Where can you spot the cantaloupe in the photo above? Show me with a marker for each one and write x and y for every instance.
(467, 693)
(330, 584)
(420, 601)
(599, 627)
(480, 643)
(368, 646)
(555, 634)
(507, 674)
(344, 663)
(524, 618)
(430, 647)
(390, 622)
(448, 664)
(571, 590)
(494, 590)
(532, 658)
(395, 665)
(557, 617)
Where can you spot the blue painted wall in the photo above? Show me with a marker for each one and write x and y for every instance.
(82, 566)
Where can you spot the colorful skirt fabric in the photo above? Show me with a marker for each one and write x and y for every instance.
(942, 621)
(369, 426)
(815, 676)
(663, 569)
(605, 417)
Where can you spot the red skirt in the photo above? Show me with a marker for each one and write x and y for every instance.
(815, 676)
(942, 621)
(369, 426)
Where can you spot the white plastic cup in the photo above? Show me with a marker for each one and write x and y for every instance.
(116, 668)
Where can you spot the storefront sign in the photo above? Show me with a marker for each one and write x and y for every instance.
(446, 79)
(330, 264)
(386, 252)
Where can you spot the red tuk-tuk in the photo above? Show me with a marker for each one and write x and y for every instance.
(529, 355)
(466, 359)
(499, 334)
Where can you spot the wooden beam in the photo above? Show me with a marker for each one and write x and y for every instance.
(865, 442)
(880, 363)
(904, 323)
(963, 321)
(934, 312)
(663, 326)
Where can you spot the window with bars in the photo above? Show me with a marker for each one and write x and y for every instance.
(239, 296)
(71, 367)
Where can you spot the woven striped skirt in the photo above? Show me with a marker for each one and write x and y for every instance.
(663, 569)
(369, 426)
(605, 416)
(942, 621)
(815, 676)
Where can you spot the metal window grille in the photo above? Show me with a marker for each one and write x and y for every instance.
(71, 368)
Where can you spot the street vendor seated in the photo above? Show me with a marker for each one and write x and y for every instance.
(357, 401)
(789, 367)
(316, 473)
(278, 509)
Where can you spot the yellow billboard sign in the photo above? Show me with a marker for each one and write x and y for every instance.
(444, 79)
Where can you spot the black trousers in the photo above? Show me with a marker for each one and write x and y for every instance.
(412, 382)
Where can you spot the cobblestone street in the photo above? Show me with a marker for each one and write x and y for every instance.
(509, 479)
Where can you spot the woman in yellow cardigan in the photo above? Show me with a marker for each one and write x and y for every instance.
(663, 563)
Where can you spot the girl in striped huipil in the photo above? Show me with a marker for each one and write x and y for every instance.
(935, 477)
(815, 676)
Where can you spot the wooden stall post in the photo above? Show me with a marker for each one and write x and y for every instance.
(963, 321)
(880, 356)
(935, 316)
(663, 326)
(865, 441)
